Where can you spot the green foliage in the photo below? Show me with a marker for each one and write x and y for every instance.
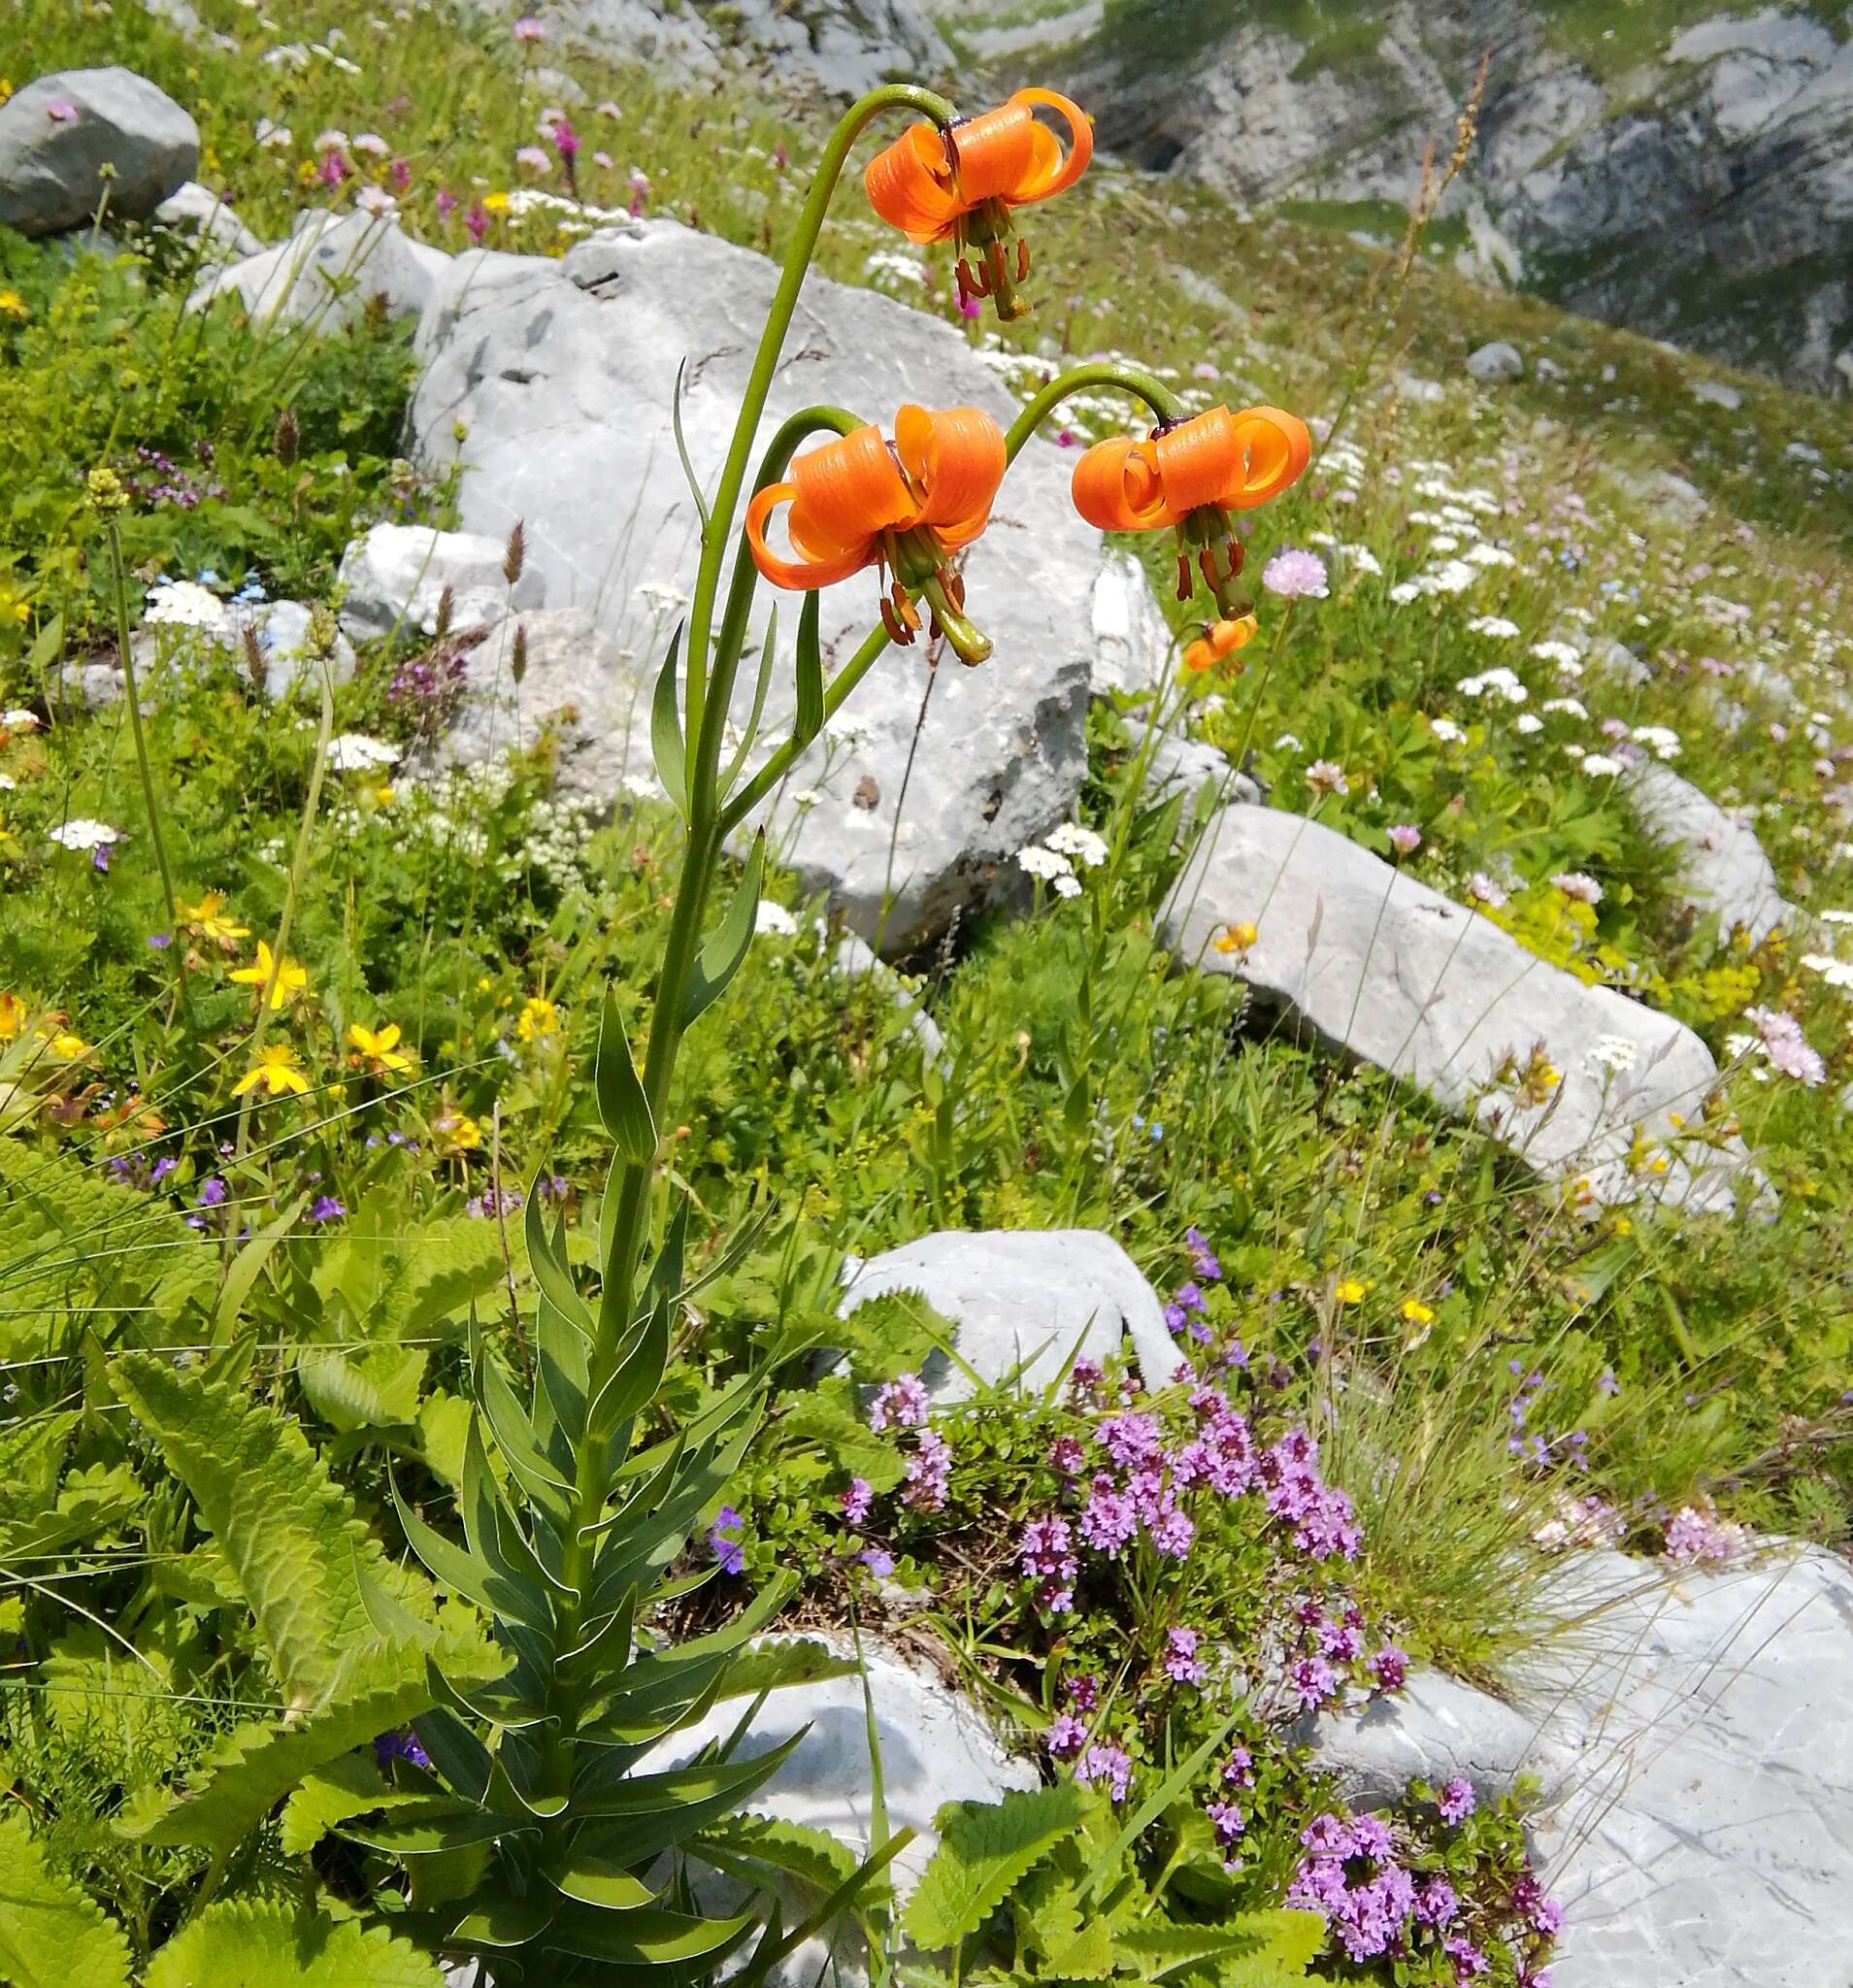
(51, 1936)
(984, 1850)
(258, 1944)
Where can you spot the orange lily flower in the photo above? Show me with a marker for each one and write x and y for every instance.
(963, 182)
(1219, 640)
(1189, 476)
(906, 505)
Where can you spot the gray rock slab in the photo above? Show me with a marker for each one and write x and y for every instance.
(1028, 1297)
(328, 271)
(282, 631)
(1181, 762)
(1370, 960)
(1707, 1839)
(854, 957)
(1133, 642)
(935, 1747)
(69, 138)
(1722, 866)
(563, 374)
(1496, 364)
(396, 576)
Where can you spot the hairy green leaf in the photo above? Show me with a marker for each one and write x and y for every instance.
(241, 1944)
(984, 1849)
(51, 1934)
(286, 1529)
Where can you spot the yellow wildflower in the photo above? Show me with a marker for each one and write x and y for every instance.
(12, 1014)
(277, 1070)
(1349, 1291)
(13, 305)
(66, 1042)
(291, 977)
(495, 203)
(456, 1132)
(538, 1017)
(1236, 937)
(1416, 1312)
(209, 919)
(380, 1047)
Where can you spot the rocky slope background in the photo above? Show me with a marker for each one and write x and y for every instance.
(1680, 167)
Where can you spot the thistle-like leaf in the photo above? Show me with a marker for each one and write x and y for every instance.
(258, 1944)
(51, 1934)
(727, 945)
(286, 1529)
(984, 1849)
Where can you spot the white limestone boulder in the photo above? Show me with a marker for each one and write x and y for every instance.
(1496, 364)
(561, 376)
(1722, 866)
(197, 211)
(330, 269)
(1364, 957)
(395, 577)
(1022, 1299)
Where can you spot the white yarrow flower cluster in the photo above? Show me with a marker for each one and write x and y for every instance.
(773, 917)
(82, 833)
(1615, 1054)
(1494, 625)
(1561, 654)
(356, 752)
(1500, 683)
(1049, 866)
(1837, 972)
(1660, 740)
(184, 603)
(1082, 844)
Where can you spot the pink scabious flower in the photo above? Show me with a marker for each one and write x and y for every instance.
(1785, 1045)
(528, 29)
(332, 170)
(1405, 837)
(1183, 1665)
(532, 160)
(1457, 1801)
(1482, 889)
(1578, 886)
(1326, 776)
(899, 1403)
(1295, 575)
(1106, 1764)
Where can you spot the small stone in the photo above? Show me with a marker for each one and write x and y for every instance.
(1497, 364)
(396, 576)
(1029, 1298)
(1722, 866)
(196, 210)
(329, 270)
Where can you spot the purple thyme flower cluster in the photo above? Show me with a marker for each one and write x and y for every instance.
(426, 688)
(489, 1205)
(153, 480)
(1323, 1519)
(903, 1404)
(900, 1403)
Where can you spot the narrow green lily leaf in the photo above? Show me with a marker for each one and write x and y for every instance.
(809, 720)
(649, 1937)
(621, 1103)
(666, 729)
(467, 1576)
(508, 1425)
(726, 948)
(681, 449)
(564, 1373)
(600, 1884)
(548, 1255)
(638, 1376)
(495, 1539)
(428, 1829)
(503, 1921)
(760, 686)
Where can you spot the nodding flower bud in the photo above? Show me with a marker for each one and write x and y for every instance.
(285, 437)
(515, 554)
(518, 659)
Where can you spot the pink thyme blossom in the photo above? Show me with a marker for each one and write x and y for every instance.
(899, 1403)
(929, 1472)
(1456, 1802)
(475, 223)
(1067, 1736)
(1106, 1764)
(857, 1500)
(1183, 1665)
(1390, 1666)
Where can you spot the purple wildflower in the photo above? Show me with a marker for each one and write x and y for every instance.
(1468, 1961)
(1067, 1736)
(326, 1209)
(857, 1500)
(1183, 1665)
(1202, 1254)
(880, 1563)
(1106, 1764)
(1390, 1666)
(730, 1551)
(929, 1472)
(401, 1745)
(900, 1404)
(1457, 1801)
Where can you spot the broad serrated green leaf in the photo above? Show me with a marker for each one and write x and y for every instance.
(1069, 1944)
(727, 944)
(51, 1934)
(666, 729)
(287, 1530)
(622, 1106)
(248, 1772)
(367, 1387)
(812, 1855)
(1265, 1949)
(75, 1246)
(844, 1438)
(984, 1849)
(351, 1786)
(241, 1944)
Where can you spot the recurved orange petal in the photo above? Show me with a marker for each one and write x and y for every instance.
(1200, 459)
(847, 490)
(1116, 486)
(798, 576)
(955, 458)
(909, 185)
(1274, 447)
(1052, 173)
(994, 154)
